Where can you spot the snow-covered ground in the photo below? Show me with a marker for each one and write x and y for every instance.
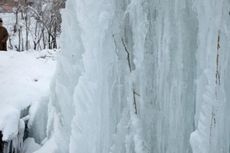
(25, 80)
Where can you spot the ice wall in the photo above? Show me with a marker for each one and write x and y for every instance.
(139, 76)
(212, 102)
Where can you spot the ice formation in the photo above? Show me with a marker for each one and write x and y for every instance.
(142, 76)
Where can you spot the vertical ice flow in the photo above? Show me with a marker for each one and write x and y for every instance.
(141, 76)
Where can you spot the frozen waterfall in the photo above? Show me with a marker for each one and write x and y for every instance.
(142, 76)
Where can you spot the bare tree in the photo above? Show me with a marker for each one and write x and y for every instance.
(47, 17)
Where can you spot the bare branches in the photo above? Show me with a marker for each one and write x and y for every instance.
(41, 20)
(46, 16)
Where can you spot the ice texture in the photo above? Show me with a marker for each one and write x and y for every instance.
(141, 76)
(212, 94)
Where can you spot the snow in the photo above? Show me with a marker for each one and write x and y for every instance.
(26, 76)
(10, 120)
(25, 80)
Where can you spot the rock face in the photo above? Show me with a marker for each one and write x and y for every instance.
(141, 76)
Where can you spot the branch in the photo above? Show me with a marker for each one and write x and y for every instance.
(41, 20)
